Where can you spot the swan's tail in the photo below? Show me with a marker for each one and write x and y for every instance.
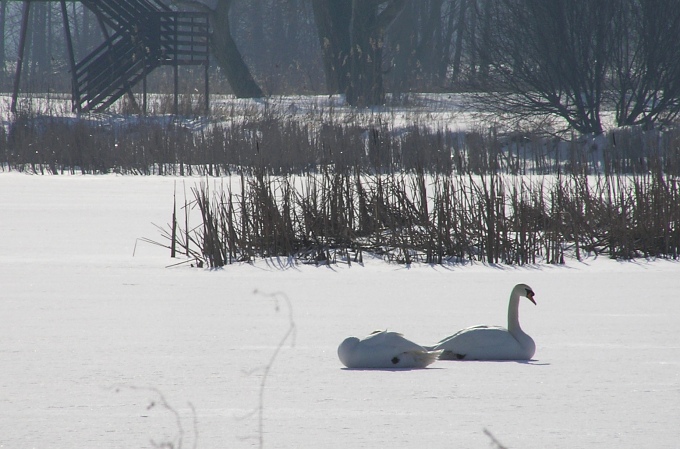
(443, 354)
(424, 358)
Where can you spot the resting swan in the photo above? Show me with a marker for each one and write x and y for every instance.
(492, 342)
(384, 349)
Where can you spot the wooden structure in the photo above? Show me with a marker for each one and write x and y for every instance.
(140, 36)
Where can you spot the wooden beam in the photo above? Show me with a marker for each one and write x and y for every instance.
(75, 101)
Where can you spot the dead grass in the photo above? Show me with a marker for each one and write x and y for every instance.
(413, 217)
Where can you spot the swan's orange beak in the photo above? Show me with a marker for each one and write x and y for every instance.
(530, 295)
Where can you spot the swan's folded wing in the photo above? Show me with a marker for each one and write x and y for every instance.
(393, 340)
(479, 342)
(467, 331)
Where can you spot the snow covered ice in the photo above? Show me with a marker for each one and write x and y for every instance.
(89, 334)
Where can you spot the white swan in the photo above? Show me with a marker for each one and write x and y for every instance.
(492, 342)
(384, 349)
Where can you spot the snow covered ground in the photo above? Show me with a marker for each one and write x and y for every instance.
(90, 334)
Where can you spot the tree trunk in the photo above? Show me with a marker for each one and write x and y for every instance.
(333, 19)
(351, 34)
(228, 56)
(366, 81)
(3, 65)
(460, 33)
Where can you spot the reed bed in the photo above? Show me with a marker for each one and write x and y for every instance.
(332, 191)
(282, 144)
(338, 217)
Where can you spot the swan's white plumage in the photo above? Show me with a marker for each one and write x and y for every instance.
(492, 342)
(383, 349)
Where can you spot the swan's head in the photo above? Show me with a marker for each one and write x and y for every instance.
(524, 290)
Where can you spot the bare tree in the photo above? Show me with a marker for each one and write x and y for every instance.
(87, 33)
(44, 57)
(44, 50)
(3, 13)
(429, 45)
(39, 42)
(416, 50)
(281, 40)
(352, 37)
(550, 58)
(460, 33)
(646, 63)
(333, 19)
(573, 58)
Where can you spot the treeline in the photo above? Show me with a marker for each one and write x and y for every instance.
(574, 60)
(285, 45)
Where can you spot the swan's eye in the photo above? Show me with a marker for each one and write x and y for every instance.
(529, 292)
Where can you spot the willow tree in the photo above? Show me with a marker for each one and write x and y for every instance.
(550, 58)
(646, 63)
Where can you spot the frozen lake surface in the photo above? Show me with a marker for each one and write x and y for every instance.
(90, 335)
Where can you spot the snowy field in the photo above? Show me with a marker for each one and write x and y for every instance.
(93, 325)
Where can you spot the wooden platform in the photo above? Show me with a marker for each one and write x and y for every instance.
(140, 36)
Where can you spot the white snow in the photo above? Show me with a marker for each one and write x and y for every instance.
(88, 332)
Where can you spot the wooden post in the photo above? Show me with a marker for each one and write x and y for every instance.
(75, 101)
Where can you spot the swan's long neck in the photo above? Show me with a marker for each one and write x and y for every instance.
(513, 314)
(526, 342)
